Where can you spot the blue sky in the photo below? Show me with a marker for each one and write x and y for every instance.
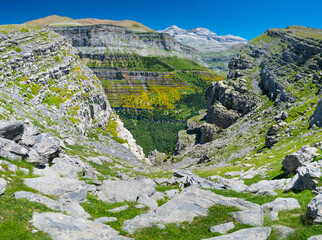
(243, 18)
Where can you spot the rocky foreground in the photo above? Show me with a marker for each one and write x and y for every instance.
(248, 168)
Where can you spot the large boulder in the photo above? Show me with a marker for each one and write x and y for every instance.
(3, 185)
(279, 204)
(66, 188)
(292, 161)
(222, 228)
(120, 191)
(29, 135)
(33, 197)
(62, 227)
(11, 130)
(257, 233)
(208, 132)
(251, 217)
(314, 209)
(47, 145)
(316, 118)
(220, 116)
(11, 150)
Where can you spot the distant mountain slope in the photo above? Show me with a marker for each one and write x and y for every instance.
(203, 39)
(55, 20)
(215, 50)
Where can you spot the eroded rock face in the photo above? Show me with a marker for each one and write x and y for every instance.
(316, 118)
(62, 227)
(220, 116)
(314, 209)
(11, 130)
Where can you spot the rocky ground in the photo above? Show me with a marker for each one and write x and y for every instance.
(247, 168)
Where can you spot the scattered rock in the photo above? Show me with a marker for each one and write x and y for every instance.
(120, 191)
(257, 233)
(317, 237)
(9, 149)
(33, 197)
(74, 209)
(251, 217)
(222, 228)
(11, 130)
(147, 201)
(283, 231)
(3, 185)
(118, 209)
(280, 204)
(105, 220)
(292, 161)
(65, 188)
(314, 209)
(62, 227)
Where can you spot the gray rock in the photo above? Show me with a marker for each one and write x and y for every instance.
(120, 191)
(67, 167)
(74, 209)
(208, 132)
(156, 157)
(314, 209)
(280, 204)
(251, 217)
(105, 220)
(3, 186)
(191, 202)
(220, 116)
(147, 201)
(266, 185)
(308, 173)
(118, 209)
(292, 161)
(161, 226)
(283, 231)
(139, 206)
(251, 173)
(65, 188)
(47, 145)
(29, 133)
(62, 227)
(157, 196)
(171, 193)
(257, 233)
(317, 237)
(10, 147)
(35, 158)
(232, 184)
(222, 228)
(11, 130)
(32, 197)
(316, 117)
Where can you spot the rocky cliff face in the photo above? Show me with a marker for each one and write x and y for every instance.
(105, 39)
(283, 65)
(44, 81)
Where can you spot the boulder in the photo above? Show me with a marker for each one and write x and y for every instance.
(279, 204)
(220, 116)
(3, 186)
(35, 158)
(47, 145)
(232, 184)
(66, 188)
(316, 118)
(208, 132)
(8, 148)
(314, 209)
(147, 201)
(292, 161)
(251, 217)
(74, 209)
(257, 233)
(120, 191)
(267, 185)
(118, 209)
(11, 130)
(222, 228)
(33, 197)
(317, 237)
(29, 133)
(156, 157)
(105, 220)
(67, 166)
(62, 227)
(283, 231)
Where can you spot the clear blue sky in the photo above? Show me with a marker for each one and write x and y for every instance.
(243, 18)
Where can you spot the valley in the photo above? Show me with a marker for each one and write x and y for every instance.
(111, 130)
